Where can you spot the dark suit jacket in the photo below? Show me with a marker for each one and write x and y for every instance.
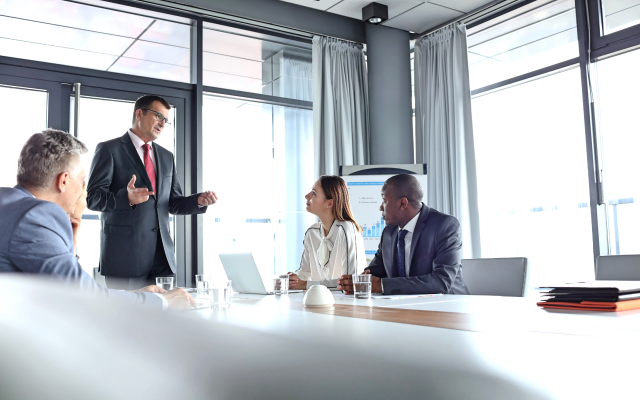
(436, 253)
(36, 238)
(129, 233)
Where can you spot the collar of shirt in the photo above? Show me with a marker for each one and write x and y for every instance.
(138, 143)
(411, 225)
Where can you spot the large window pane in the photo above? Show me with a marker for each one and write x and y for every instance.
(25, 113)
(533, 187)
(106, 36)
(618, 107)
(259, 160)
(252, 62)
(620, 14)
(120, 114)
(535, 36)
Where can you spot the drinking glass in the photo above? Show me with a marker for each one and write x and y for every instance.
(281, 284)
(362, 286)
(202, 286)
(165, 282)
(220, 295)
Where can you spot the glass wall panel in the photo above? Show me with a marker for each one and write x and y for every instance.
(618, 106)
(533, 189)
(93, 129)
(535, 36)
(252, 62)
(25, 113)
(102, 36)
(258, 158)
(620, 14)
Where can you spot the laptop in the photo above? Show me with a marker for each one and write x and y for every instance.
(243, 273)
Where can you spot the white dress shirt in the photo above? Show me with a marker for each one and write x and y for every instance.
(346, 254)
(138, 143)
(410, 227)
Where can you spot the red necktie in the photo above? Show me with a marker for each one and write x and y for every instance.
(148, 165)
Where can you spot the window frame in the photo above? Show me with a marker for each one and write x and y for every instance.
(58, 80)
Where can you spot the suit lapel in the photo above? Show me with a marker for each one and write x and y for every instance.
(390, 252)
(158, 168)
(420, 225)
(130, 151)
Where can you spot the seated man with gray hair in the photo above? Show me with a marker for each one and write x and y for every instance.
(36, 233)
(420, 249)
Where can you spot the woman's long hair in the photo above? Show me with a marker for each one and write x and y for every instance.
(335, 188)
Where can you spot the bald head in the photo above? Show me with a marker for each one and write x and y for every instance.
(399, 186)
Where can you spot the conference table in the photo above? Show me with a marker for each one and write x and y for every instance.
(58, 343)
(450, 346)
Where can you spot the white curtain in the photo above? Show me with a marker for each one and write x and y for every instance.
(340, 105)
(444, 129)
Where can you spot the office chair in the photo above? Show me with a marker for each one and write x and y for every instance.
(618, 268)
(495, 276)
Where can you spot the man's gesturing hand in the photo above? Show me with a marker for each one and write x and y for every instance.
(207, 198)
(179, 300)
(139, 195)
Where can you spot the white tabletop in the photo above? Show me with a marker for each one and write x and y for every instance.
(59, 344)
(521, 351)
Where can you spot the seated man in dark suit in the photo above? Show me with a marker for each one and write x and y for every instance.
(37, 234)
(420, 249)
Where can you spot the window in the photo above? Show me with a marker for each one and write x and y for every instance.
(99, 35)
(535, 36)
(259, 159)
(251, 62)
(25, 113)
(618, 107)
(619, 14)
(533, 189)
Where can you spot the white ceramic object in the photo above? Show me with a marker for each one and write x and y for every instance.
(318, 296)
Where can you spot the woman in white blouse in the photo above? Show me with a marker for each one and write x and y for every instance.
(334, 246)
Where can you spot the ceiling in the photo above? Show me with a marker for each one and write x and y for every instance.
(409, 15)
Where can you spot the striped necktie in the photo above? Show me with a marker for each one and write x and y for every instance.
(148, 165)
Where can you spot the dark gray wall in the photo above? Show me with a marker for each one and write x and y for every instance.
(288, 15)
(389, 95)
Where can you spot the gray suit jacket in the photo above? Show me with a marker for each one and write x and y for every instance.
(37, 238)
(436, 253)
(129, 233)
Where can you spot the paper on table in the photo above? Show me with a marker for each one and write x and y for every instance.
(403, 296)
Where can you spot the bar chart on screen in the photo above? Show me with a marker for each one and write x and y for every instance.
(364, 196)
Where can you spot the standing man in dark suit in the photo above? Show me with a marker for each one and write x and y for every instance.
(420, 249)
(136, 246)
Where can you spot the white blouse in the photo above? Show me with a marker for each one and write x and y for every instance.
(346, 253)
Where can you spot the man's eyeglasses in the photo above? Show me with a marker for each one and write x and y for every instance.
(159, 116)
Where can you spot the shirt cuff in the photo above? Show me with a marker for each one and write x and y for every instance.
(200, 206)
(382, 286)
(165, 303)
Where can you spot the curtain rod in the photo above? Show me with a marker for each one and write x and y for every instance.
(473, 15)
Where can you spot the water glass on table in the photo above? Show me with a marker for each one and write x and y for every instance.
(165, 283)
(202, 287)
(362, 286)
(220, 295)
(281, 284)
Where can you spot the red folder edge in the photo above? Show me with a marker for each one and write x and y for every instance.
(593, 305)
